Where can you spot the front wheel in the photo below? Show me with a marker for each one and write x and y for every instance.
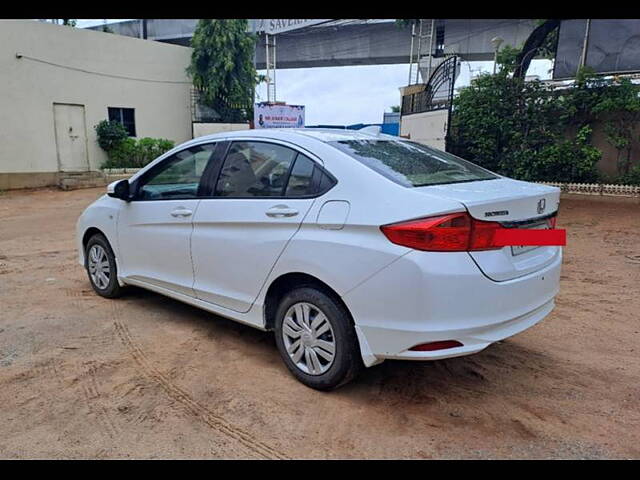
(100, 263)
(316, 339)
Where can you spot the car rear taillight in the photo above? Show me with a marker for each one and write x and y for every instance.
(456, 232)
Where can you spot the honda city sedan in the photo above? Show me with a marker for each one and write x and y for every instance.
(351, 247)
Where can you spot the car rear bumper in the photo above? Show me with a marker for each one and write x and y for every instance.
(426, 297)
(473, 340)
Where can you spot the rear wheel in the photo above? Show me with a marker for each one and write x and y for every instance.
(100, 263)
(316, 339)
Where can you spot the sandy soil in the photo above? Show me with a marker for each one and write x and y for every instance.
(149, 377)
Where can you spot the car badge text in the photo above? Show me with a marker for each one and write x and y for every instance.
(496, 213)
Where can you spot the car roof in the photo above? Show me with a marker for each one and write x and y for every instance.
(324, 135)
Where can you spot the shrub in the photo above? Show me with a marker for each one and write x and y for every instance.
(126, 152)
(564, 161)
(631, 178)
(110, 134)
(621, 98)
(499, 122)
(132, 153)
(121, 154)
(149, 149)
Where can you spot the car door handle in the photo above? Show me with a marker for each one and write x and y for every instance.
(181, 212)
(281, 211)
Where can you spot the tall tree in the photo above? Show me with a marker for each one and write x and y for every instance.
(222, 66)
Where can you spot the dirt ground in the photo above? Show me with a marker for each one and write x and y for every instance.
(148, 377)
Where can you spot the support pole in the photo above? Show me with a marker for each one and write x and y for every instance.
(266, 57)
(274, 69)
(585, 44)
(433, 26)
(271, 66)
(419, 51)
(413, 34)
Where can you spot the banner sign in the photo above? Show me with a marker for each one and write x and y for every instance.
(613, 46)
(272, 26)
(268, 115)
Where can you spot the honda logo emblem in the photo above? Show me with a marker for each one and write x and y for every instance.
(542, 204)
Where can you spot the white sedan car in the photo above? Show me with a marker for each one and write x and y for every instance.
(353, 248)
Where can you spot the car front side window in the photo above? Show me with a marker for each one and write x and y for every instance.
(178, 177)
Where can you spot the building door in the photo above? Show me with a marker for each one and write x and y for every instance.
(71, 137)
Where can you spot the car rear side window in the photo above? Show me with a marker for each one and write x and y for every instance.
(255, 169)
(412, 164)
(263, 169)
(301, 179)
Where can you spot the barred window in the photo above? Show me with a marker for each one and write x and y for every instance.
(125, 116)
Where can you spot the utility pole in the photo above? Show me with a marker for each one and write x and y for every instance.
(497, 41)
(413, 34)
(419, 51)
(270, 57)
(433, 26)
(585, 44)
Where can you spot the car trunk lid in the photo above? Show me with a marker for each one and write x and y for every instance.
(515, 204)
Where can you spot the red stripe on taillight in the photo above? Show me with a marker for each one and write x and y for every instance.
(459, 232)
(522, 236)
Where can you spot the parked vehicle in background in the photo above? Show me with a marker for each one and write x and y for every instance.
(353, 248)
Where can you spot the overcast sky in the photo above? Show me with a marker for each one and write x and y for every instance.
(348, 95)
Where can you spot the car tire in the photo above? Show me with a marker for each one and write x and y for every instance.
(315, 337)
(100, 263)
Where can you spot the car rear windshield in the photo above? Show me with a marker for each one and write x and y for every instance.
(411, 164)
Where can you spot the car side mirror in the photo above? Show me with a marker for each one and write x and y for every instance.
(119, 189)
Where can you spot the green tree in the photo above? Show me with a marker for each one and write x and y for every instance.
(518, 129)
(222, 67)
(498, 117)
(578, 102)
(619, 105)
(507, 58)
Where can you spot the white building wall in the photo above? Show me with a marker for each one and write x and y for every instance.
(202, 129)
(429, 128)
(156, 86)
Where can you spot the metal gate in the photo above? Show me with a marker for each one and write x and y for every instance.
(436, 94)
